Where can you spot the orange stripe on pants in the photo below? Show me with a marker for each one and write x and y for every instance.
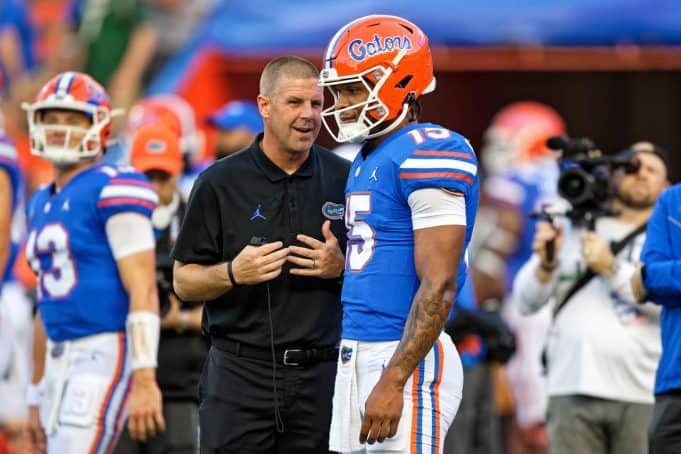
(109, 391)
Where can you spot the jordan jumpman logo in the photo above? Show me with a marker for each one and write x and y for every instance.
(258, 214)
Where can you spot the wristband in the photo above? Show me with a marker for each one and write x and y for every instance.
(34, 395)
(230, 273)
(142, 333)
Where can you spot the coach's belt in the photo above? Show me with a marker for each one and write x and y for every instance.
(288, 357)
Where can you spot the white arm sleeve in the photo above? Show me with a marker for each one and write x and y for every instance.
(529, 294)
(432, 207)
(129, 233)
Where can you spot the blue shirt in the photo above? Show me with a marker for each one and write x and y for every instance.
(380, 276)
(10, 164)
(80, 292)
(662, 257)
(14, 16)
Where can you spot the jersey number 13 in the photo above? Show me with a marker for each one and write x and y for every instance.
(56, 277)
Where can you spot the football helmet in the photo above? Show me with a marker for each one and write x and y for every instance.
(173, 112)
(391, 57)
(71, 91)
(517, 135)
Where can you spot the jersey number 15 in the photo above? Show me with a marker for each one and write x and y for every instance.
(361, 237)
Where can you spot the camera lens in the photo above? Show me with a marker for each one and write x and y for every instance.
(573, 185)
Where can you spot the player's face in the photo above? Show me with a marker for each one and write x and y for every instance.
(164, 184)
(76, 123)
(231, 141)
(641, 189)
(349, 95)
(293, 115)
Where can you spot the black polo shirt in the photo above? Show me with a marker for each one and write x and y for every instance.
(246, 195)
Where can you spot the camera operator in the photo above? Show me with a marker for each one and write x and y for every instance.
(602, 349)
(156, 151)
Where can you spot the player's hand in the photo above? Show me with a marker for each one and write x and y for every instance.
(534, 437)
(319, 259)
(546, 232)
(382, 412)
(37, 443)
(256, 264)
(145, 414)
(597, 254)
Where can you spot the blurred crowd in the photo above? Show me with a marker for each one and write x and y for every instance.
(122, 44)
(505, 337)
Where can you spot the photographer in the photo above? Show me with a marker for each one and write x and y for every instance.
(156, 152)
(602, 350)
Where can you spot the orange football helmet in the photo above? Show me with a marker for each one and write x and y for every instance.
(71, 91)
(391, 57)
(173, 112)
(518, 135)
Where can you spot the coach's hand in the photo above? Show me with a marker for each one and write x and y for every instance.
(36, 435)
(383, 410)
(145, 415)
(319, 259)
(256, 264)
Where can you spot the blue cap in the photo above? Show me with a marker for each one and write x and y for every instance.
(235, 115)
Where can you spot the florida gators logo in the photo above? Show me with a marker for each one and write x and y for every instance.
(345, 354)
(333, 211)
(57, 350)
(359, 50)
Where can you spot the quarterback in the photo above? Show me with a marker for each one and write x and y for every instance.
(411, 201)
(90, 243)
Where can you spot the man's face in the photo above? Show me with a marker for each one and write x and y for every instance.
(293, 115)
(641, 189)
(55, 119)
(349, 95)
(164, 184)
(232, 140)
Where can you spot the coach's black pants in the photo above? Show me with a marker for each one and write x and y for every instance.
(664, 433)
(237, 406)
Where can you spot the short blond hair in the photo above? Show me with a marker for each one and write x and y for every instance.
(290, 66)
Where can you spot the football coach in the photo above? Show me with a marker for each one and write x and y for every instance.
(262, 244)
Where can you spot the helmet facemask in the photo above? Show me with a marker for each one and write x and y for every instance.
(89, 147)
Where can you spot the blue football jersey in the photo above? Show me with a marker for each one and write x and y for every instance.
(79, 289)
(526, 190)
(10, 164)
(380, 277)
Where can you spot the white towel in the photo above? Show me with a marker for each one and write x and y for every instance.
(346, 420)
(57, 362)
